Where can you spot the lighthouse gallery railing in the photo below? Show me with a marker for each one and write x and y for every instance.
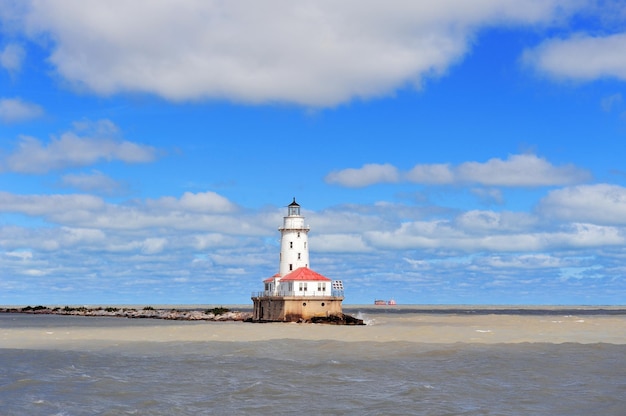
(265, 293)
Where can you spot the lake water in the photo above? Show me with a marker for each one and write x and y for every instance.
(402, 363)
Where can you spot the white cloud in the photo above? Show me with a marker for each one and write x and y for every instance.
(487, 231)
(526, 261)
(525, 170)
(599, 204)
(49, 205)
(70, 150)
(340, 243)
(92, 182)
(519, 170)
(13, 110)
(369, 174)
(195, 202)
(581, 57)
(153, 245)
(212, 240)
(198, 212)
(23, 255)
(488, 195)
(11, 57)
(431, 174)
(478, 221)
(313, 52)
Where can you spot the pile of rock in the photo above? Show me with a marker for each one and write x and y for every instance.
(215, 314)
(342, 319)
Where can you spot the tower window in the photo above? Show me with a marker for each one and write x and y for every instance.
(291, 244)
(290, 267)
(305, 244)
(298, 256)
(298, 234)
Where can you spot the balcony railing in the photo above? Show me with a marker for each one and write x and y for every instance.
(334, 292)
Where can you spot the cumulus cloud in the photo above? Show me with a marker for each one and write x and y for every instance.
(478, 221)
(519, 170)
(488, 195)
(341, 243)
(431, 174)
(71, 150)
(11, 57)
(525, 170)
(13, 110)
(153, 245)
(95, 181)
(313, 53)
(46, 205)
(445, 235)
(23, 255)
(526, 261)
(599, 204)
(581, 57)
(200, 212)
(367, 175)
(195, 202)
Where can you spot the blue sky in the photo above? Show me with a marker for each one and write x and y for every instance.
(468, 152)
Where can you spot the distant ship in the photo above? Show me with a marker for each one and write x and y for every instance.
(384, 302)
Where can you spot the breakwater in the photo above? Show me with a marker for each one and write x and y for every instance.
(214, 314)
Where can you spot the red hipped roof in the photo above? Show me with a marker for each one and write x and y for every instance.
(304, 273)
(271, 279)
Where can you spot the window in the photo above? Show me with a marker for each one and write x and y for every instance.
(298, 256)
(291, 267)
(321, 287)
(291, 244)
(302, 287)
(305, 244)
(298, 234)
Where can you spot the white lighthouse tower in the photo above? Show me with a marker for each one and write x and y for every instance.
(296, 292)
(294, 241)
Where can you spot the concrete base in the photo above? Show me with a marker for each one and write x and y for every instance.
(295, 308)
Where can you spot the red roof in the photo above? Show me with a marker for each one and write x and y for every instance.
(271, 279)
(304, 273)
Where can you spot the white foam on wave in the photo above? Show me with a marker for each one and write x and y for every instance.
(365, 320)
(483, 330)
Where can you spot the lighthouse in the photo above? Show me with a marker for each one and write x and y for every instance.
(296, 292)
(294, 239)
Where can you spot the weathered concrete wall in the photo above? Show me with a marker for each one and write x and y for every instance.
(268, 308)
(292, 308)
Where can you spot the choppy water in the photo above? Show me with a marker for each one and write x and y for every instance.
(290, 376)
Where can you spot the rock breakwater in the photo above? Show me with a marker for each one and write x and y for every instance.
(148, 312)
(215, 314)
